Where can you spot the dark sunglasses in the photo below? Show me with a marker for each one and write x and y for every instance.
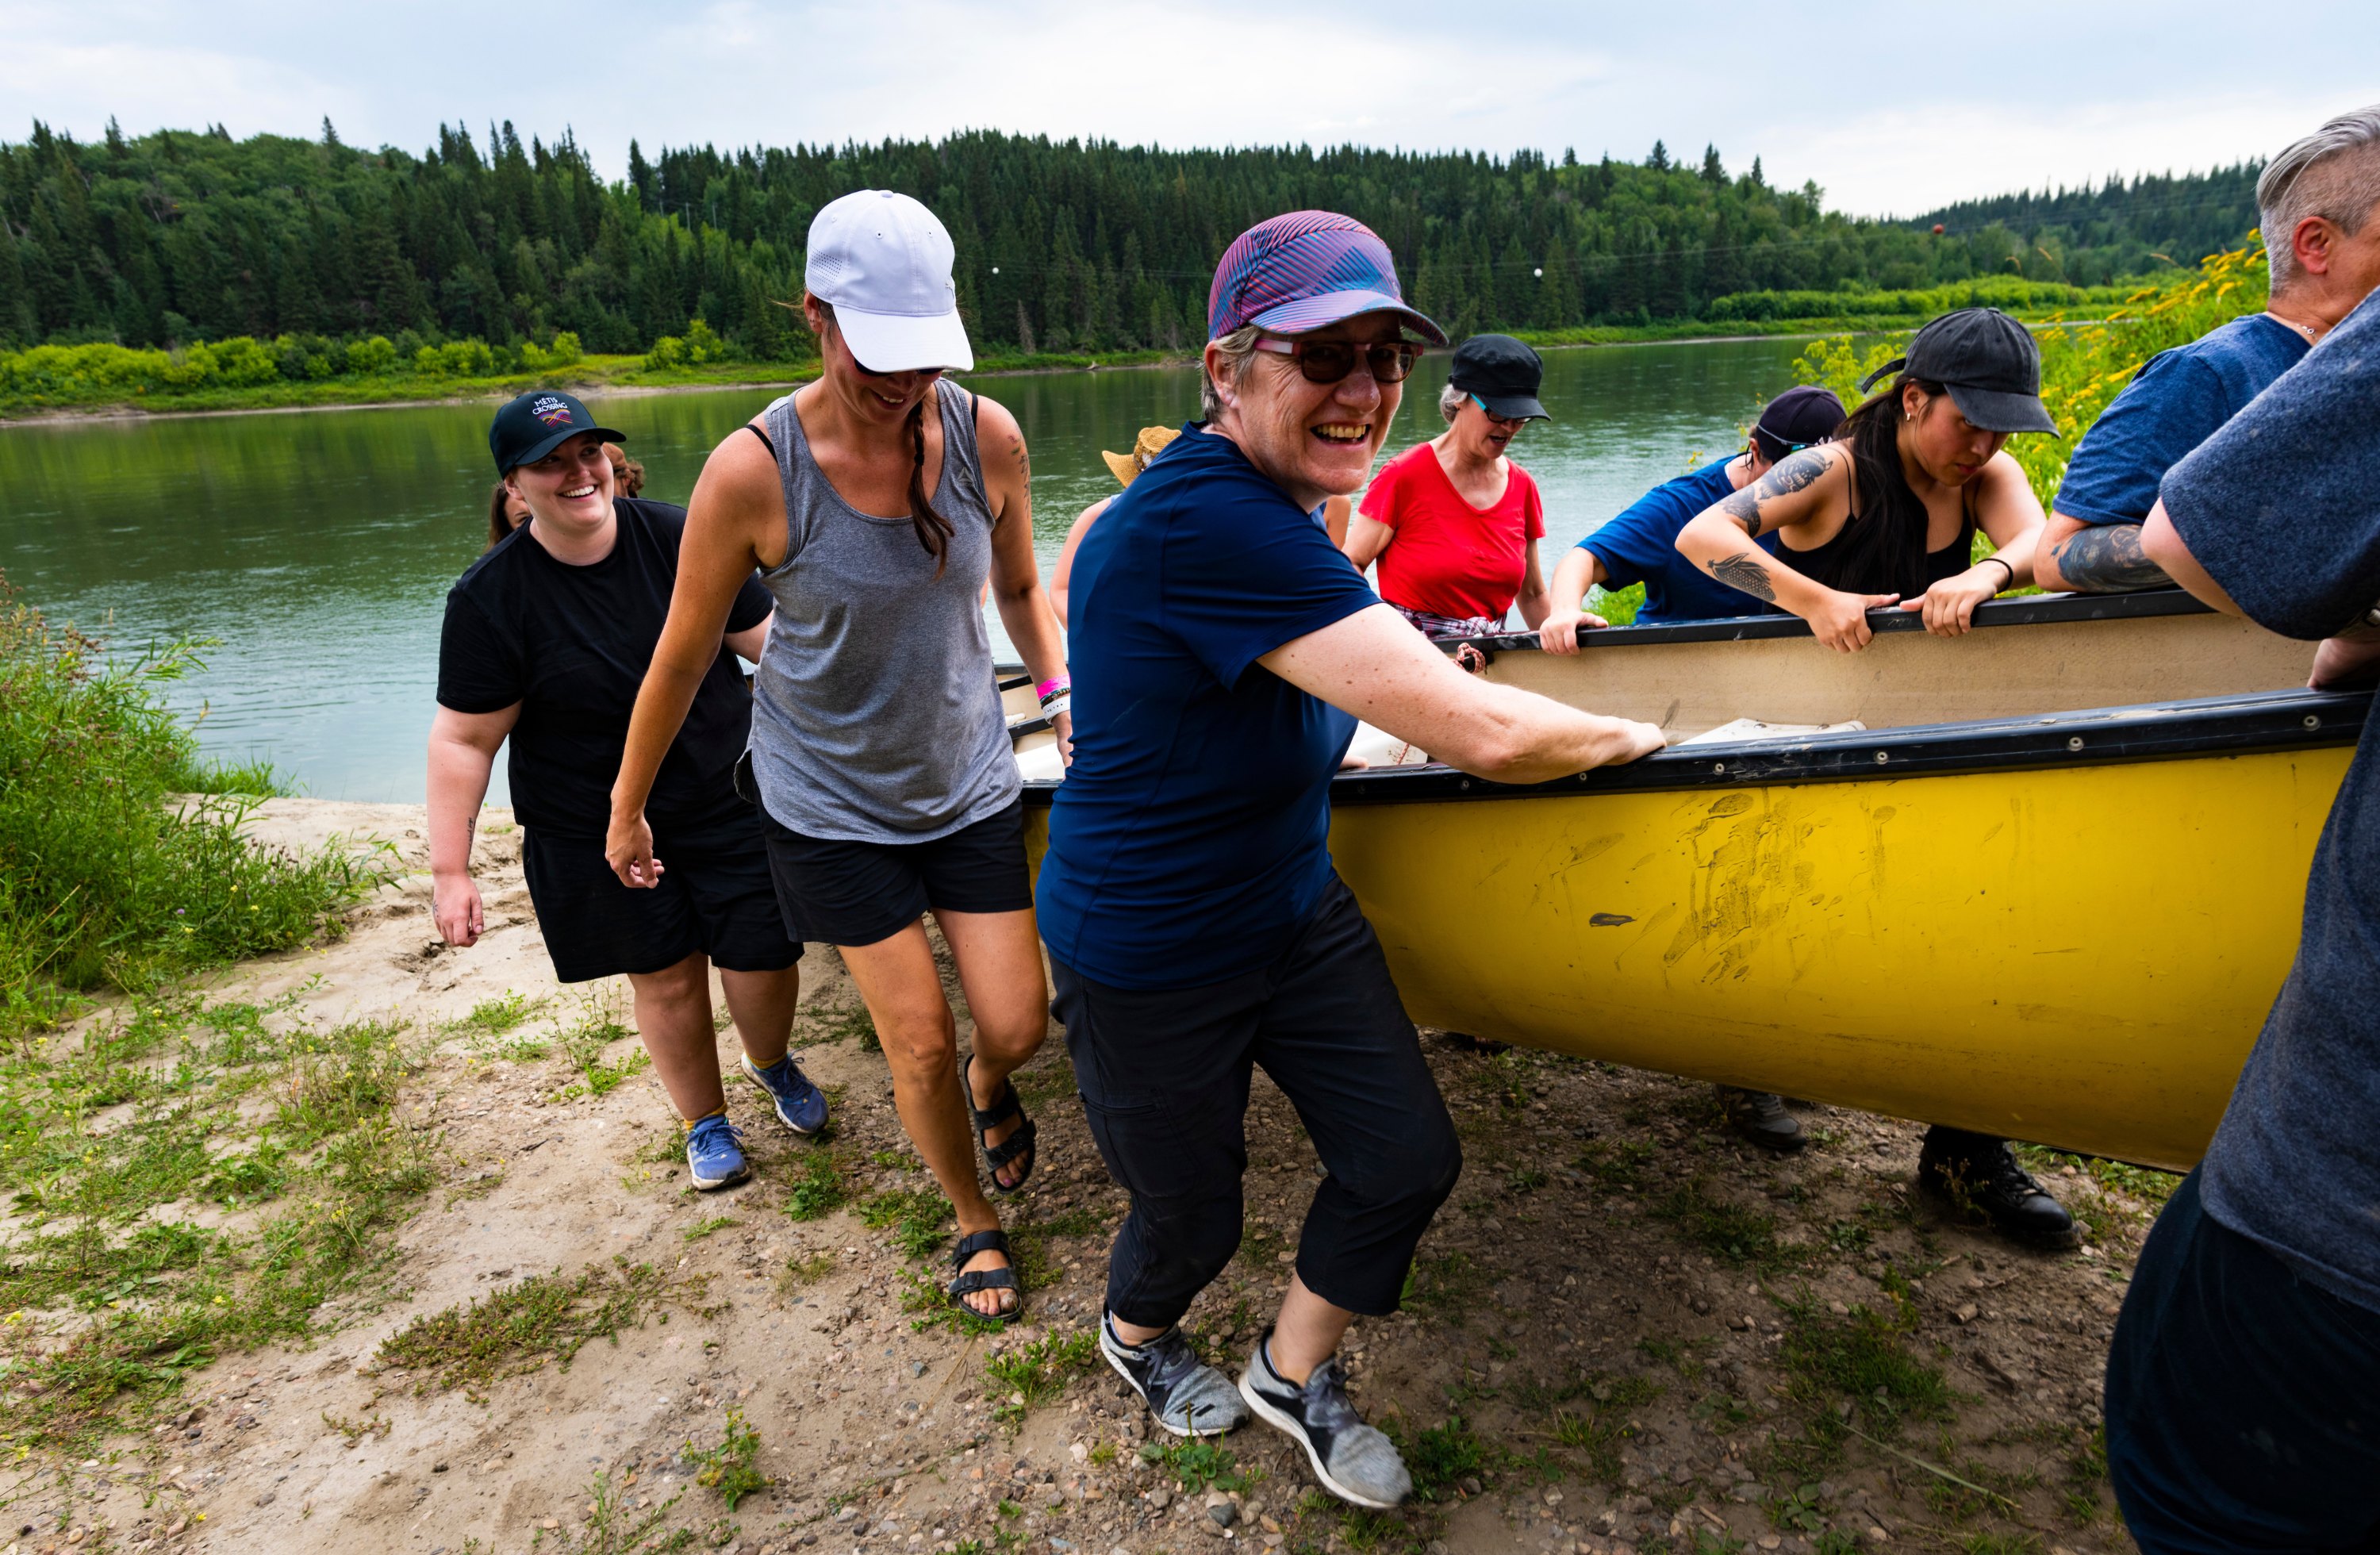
(1327, 361)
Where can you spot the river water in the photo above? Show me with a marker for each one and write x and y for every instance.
(315, 548)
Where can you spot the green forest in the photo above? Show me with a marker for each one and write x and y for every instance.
(307, 252)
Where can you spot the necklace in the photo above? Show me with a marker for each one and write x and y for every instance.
(2303, 329)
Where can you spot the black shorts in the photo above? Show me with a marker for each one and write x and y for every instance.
(715, 896)
(858, 894)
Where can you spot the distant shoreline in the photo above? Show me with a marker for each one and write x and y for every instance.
(597, 384)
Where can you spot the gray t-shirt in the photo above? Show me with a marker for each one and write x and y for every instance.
(2282, 508)
(875, 715)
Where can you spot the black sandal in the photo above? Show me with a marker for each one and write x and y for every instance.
(969, 1281)
(988, 1119)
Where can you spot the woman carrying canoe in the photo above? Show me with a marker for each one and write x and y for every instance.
(1887, 512)
(1196, 928)
(545, 639)
(879, 750)
(1452, 522)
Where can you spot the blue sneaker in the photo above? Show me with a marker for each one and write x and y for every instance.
(714, 1153)
(801, 1106)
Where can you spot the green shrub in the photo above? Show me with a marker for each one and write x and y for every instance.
(105, 878)
(370, 358)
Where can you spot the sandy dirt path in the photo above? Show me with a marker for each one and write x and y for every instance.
(1626, 1332)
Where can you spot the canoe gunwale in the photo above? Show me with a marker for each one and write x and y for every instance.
(2087, 737)
(2031, 610)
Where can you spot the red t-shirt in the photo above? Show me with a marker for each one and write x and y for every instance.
(1450, 558)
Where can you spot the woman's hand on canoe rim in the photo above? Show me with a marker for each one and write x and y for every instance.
(1840, 620)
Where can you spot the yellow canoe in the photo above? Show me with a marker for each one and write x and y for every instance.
(1985, 908)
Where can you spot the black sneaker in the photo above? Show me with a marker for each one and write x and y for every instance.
(1354, 1462)
(1760, 1117)
(1978, 1174)
(1187, 1396)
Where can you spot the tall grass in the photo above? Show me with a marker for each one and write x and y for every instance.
(2083, 364)
(106, 879)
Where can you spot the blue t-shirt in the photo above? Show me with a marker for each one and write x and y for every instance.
(1189, 842)
(2176, 402)
(2280, 508)
(1640, 545)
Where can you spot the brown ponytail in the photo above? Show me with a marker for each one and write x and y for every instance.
(934, 531)
(500, 523)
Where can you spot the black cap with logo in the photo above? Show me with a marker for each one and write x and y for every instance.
(1796, 419)
(1988, 362)
(1503, 373)
(535, 425)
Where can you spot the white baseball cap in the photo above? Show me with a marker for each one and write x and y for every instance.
(883, 262)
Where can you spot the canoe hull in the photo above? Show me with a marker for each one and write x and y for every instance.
(2064, 927)
(2078, 958)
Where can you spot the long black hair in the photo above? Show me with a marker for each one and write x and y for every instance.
(933, 530)
(1884, 546)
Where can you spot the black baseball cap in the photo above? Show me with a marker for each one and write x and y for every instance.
(1503, 373)
(536, 424)
(1800, 417)
(1988, 362)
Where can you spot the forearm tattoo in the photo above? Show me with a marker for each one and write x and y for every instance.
(1742, 572)
(1789, 475)
(2108, 559)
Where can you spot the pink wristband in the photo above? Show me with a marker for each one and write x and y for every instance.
(1041, 692)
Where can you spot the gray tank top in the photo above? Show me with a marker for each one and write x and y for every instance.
(875, 716)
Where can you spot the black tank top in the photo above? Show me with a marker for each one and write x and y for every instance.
(1830, 563)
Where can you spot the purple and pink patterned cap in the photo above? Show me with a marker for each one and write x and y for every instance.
(1304, 270)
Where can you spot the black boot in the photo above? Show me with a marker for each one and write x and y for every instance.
(1978, 1174)
(1760, 1117)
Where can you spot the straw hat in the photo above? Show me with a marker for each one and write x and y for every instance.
(1147, 446)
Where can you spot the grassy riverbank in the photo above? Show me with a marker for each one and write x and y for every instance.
(300, 372)
(107, 879)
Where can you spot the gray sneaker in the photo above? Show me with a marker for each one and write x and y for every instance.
(1187, 1396)
(1355, 1461)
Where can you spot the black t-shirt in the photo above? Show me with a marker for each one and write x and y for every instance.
(571, 645)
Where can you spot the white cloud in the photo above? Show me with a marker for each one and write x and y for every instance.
(1894, 108)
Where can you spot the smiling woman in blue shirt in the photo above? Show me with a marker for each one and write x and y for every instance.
(1223, 649)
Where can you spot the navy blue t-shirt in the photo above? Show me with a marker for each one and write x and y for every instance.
(2176, 402)
(1189, 842)
(2280, 508)
(1640, 545)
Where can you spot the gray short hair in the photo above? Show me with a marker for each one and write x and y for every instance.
(2333, 173)
(1239, 348)
(1450, 402)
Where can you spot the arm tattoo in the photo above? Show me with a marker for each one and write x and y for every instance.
(1024, 459)
(1784, 477)
(1744, 508)
(1794, 472)
(2108, 559)
(1740, 571)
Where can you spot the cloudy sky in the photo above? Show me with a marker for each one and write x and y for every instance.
(1894, 107)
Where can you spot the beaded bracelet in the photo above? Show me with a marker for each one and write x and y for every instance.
(1052, 687)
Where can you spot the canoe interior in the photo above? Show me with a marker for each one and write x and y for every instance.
(2056, 659)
